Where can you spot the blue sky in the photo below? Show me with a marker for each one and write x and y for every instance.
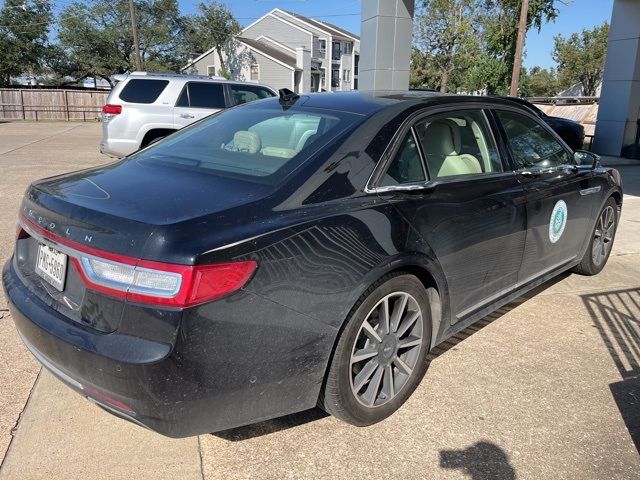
(575, 16)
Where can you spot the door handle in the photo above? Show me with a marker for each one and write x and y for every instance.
(590, 191)
(186, 115)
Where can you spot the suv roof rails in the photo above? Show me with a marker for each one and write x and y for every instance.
(122, 76)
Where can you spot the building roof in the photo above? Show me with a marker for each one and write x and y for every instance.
(277, 53)
(270, 51)
(332, 29)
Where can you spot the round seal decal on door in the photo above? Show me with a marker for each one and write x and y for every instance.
(558, 221)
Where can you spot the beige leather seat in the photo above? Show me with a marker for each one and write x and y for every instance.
(441, 142)
(245, 141)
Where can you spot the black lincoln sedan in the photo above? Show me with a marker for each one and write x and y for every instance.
(298, 251)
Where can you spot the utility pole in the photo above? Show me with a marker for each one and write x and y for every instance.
(134, 29)
(517, 61)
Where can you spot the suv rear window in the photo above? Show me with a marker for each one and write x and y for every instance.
(258, 143)
(249, 93)
(143, 90)
(202, 95)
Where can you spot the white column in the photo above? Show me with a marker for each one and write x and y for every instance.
(303, 62)
(619, 107)
(385, 44)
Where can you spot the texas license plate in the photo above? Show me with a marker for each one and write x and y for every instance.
(52, 266)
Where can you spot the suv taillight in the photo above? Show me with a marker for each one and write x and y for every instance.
(112, 109)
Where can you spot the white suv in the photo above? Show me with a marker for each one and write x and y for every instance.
(144, 107)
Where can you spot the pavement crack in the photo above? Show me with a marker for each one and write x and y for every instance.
(14, 429)
(201, 459)
(39, 140)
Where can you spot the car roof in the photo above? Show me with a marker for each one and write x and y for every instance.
(369, 102)
(182, 77)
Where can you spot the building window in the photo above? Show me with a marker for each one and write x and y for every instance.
(254, 72)
(348, 48)
(346, 74)
(323, 78)
(322, 46)
(335, 77)
(335, 51)
(211, 70)
(356, 61)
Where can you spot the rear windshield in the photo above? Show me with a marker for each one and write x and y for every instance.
(143, 90)
(260, 144)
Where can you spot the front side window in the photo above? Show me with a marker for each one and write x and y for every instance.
(531, 145)
(260, 143)
(248, 93)
(406, 167)
(143, 90)
(458, 143)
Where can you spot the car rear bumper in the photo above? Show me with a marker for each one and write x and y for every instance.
(221, 373)
(118, 148)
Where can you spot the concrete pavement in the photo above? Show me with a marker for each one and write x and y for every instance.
(549, 387)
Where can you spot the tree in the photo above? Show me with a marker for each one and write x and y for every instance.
(471, 43)
(493, 69)
(445, 34)
(97, 40)
(213, 27)
(24, 28)
(539, 82)
(581, 57)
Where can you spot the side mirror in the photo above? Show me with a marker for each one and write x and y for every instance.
(582, 157)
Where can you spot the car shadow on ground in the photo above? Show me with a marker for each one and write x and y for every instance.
(616, 315)
(293, 420)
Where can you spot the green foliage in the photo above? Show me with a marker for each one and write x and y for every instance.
(213, 27)
(581, 58)
(96, 38)
(470, 44)
(445, 41)
(539, 82)
(24, 28)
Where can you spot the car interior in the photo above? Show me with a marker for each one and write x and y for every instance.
(250, 145)
(451, 146)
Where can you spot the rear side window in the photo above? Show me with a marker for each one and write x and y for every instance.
(406, 166)
(202, 95)
(458, 143)
(143, 90)
(249, 93)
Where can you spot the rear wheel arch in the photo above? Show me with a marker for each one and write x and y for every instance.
(435, 290)
(154, 134)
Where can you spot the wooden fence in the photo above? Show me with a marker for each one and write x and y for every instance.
(51, 104)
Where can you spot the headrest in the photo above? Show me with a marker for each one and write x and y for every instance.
(246, 141)
(442, 137)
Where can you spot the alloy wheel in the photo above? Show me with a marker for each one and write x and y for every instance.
(603, 236)
(386, 349)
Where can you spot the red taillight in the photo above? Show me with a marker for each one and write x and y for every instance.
(112, 109)
(150, 282)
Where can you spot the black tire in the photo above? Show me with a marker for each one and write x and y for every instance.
(337, 397)
(588, 265)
